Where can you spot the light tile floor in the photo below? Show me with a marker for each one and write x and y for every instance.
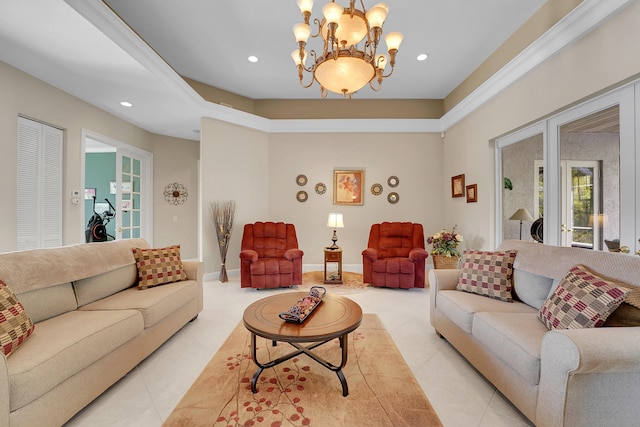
(147, 394)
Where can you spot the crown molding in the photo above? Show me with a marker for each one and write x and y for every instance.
(584, 18)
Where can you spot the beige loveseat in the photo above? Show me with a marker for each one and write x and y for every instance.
(92, 326)
(575, 377)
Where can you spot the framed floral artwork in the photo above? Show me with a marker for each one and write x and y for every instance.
(348, 187)
(457, 186)
(472, 193)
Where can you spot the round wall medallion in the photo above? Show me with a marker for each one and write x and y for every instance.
(302, 196)
(301, 180)
(321, 188)
(175, 194)
(393, 181)
(393, 198)
(376, 189)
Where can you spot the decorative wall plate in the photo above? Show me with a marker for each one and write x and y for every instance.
(393, 198)
(175, 194)
(393, 181)
(321, 188)
(302, 196)
(301, 180)
(376, 189)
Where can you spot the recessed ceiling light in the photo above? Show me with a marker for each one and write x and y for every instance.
(253, 58)
(422, 57)
(126, 104)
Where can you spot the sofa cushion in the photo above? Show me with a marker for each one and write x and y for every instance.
(64, 345)
(15, 324)
(531, 288)
(96, 287)
(460, 307)
(154, 304)
(158, 266)
(582, 300)
(488, 274)
(515, 338)
(45, 303)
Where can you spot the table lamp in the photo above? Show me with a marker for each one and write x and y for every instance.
(521, 215)
(335, 221)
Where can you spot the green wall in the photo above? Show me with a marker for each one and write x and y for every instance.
(100, 170)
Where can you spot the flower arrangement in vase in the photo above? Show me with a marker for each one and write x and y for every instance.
(445, 248)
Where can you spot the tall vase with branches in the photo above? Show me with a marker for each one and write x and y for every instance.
(223, 213)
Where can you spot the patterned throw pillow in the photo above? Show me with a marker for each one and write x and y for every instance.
(487, 273)
(581, 300)
(15, 324)
(158, 266)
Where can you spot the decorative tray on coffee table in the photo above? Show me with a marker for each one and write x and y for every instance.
(304, 306)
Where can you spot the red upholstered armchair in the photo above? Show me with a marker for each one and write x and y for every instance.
(269, 256)
(395, 256)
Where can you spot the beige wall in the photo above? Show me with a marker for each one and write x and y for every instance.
(234, 166)
(175, 161)
(413, 157)
(22, 94)
(608, 55)
(259, 172)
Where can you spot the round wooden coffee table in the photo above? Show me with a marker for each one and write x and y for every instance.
(335, 317)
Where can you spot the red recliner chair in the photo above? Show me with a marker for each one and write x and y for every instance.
(395, 256)
(269, 256)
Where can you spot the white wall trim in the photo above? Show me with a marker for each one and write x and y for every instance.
(584, 18)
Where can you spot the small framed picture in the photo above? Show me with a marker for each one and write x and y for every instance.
(457, 186)
(348, 187)
(89, 193)
(472, 193)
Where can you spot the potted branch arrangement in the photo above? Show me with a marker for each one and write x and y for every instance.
(445, 248)
(223, 213)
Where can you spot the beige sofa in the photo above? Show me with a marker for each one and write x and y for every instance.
(577, 377)
(92, 326)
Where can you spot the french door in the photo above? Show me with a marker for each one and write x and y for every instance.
(132, 190)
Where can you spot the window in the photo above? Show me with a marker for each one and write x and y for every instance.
(39, 189)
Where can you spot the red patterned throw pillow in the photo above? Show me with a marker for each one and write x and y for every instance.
(582, 300)
(15, 324)
(158, 266)
(488, 274)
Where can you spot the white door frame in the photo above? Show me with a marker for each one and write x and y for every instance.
(146, 219)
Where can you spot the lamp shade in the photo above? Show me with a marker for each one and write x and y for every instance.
(521, 215)
(335, 220)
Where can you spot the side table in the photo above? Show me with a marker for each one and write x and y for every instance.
(333, 256)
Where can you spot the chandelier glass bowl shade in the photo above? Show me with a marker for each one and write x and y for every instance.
(349, 59)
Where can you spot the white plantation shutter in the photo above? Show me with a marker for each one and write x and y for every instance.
(39, 198)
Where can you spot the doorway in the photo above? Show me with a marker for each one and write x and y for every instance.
(121, 174)
(581, 166)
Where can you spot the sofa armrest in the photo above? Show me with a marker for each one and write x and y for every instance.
(589, 377)
(439, 280)
(292, 254)
(249, 255)
(371, 254)
(193, 269)
(4, 391)
(418, 254)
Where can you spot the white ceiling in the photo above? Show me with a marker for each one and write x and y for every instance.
(210, 41)
(83, 48)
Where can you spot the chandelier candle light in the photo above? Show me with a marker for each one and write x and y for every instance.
(343, 67)
(335, 221)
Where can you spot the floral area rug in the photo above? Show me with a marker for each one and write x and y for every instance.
(301, 392)
(351, 282)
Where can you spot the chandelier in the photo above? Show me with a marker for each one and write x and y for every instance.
(342, 66)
